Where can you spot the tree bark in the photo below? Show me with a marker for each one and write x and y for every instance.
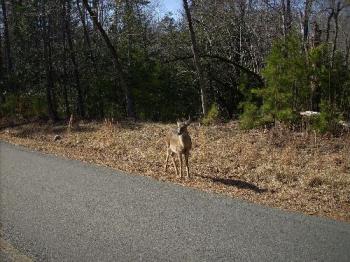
(48, 69)
(336, 31)
(1, 59)
(307, 11)
(329, 19)
(64, 65)
(7, 37)
(286, 17)
(65, 91)
(347, 52)
(87, 37)
(80, 102)
(197, 62)
(225, 60)
(312, 81)
(92, 57)
(128, 22)
(115, 56)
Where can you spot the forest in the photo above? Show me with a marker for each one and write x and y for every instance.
(259, 61)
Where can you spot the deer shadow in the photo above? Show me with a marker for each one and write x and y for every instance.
(236, 183)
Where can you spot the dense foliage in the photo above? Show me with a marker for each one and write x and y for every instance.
(255, 62)
(298, 81)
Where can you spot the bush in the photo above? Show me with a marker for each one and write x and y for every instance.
(298, 81)
(285, 72)
(8, 107)
(39, 106)
(250, 117)
(328, 120)
(213, 115)
(21, 106)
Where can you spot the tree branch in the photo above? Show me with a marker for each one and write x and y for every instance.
(222, 59)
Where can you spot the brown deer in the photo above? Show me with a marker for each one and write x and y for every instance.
(73, 122)
(109, 121)
(179, 143)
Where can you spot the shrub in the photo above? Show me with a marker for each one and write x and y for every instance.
(250, 117)
(8, 107)
(298, 81)
(328, 120)
(213, 115)
(23, 106)
(285, 72)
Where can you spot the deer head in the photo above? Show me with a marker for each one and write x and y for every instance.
(182, 126)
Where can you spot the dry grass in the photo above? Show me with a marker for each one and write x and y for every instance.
(276, 168)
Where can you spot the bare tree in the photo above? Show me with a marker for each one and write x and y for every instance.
(7, 37)
(116, 59)
(286, 16)
(306, 20)
(80, 102)
(197, 62)
(46, 37)
(64, 62)
(337, 11)
(1, 56)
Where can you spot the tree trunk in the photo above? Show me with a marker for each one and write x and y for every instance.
(7, 37)
(128, 22)
(87, 37)
(329, 19)
(312, 79)
(65, 91)
(202, 81)
(286, 17)
(80, 102)
(96, 12)
(307, 11)
(115, 56)
(284, 29)
(48, 70)
(347, 52)
(1, 59)
(336, 31)
(91, 57)
(64, 62)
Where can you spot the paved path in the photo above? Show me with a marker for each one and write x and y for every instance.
(62, 210)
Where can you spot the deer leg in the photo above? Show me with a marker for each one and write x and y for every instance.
(166, 160)
(180, 159)
(186, 163)
(172, 157)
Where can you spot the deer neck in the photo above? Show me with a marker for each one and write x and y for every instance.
(182, 139)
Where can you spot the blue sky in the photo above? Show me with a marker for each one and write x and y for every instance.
(172, 5)
(169, 6)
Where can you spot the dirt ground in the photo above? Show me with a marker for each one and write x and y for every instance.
(277, 168)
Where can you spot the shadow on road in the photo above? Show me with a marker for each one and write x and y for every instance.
(236, 183)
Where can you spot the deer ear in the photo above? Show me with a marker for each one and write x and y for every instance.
(188, 120)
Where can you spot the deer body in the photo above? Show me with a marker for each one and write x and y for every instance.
(179, 143)
(73, 122)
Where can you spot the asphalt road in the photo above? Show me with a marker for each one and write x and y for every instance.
(54, 209)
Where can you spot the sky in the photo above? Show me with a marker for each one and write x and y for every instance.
(171, 5)
(166, 6)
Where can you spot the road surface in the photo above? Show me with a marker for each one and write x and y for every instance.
(54, 209)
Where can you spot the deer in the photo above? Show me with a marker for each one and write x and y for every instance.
(178, 142)
(73, 122)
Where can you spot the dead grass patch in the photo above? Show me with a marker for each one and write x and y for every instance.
(315, 182)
